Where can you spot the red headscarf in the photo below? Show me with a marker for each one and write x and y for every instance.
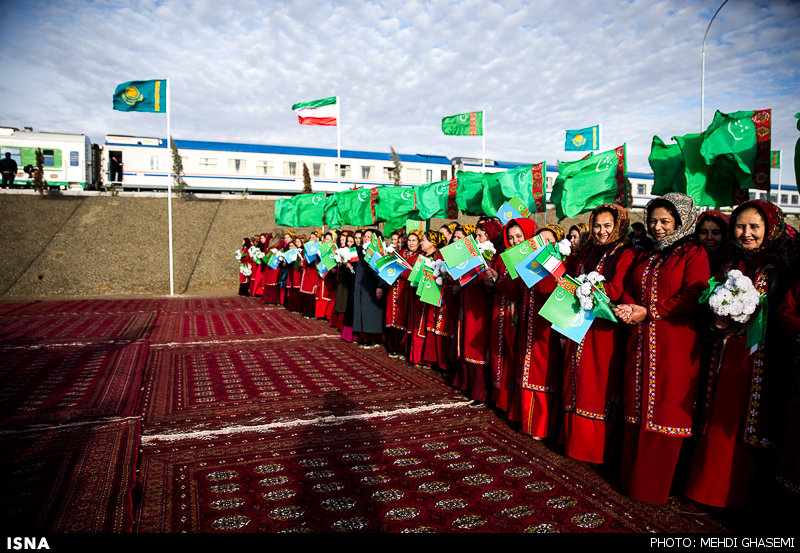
(528, 227)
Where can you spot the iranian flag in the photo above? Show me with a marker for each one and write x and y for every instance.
(319, 112)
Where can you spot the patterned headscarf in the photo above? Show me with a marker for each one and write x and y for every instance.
(557, 231)
(436, 238)
(622, 222)
(681, 205)
(416, 232)
(469, 230)
(774, 231)
(528, 227)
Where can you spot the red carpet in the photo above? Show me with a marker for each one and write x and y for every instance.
(459, 471)
(204, 387)
(57, 384)
(75, 328)
(80, 307)
(10, 306)
(180, 305)
(239, 324)
(68, 479)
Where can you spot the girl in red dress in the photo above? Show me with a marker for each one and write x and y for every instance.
(592, 381)
(326, 291)
(399, 298)
(662, 364)
(243, 258)
(736, 429)
(434, 327)
(257, 280)
(309, 282)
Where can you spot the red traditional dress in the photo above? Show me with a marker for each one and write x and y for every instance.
(592, 379)
(326, 296)
(309, 283)
(735, 423)
(397, 306)
(661, 375)
(272, 289)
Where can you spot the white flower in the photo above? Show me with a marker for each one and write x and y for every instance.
(238, 255)
(564, 247)
(594, 277)
(390, 248)
(245, 270)
(439, 280)
(737, 298)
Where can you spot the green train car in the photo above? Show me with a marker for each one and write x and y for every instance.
(68, 158)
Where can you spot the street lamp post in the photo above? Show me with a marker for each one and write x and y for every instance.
(703, 71)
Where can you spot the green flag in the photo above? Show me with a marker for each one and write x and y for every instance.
(587, 183)
(150, 96)
(666, 161)
(395, 205)
(355, 207)
(470, 192)
(309, 209)
(709, 185)
(525, 182)
(332, 217)
(285, 214)
(464, 124)
(437, 199)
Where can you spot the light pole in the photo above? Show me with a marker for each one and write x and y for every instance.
(703, 72)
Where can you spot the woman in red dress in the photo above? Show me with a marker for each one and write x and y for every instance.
(272, 277)
(243, 265)
(736, 429)
(662, 364)
(434, 327)
(257, 280)
(474, 376)
(326, 291)
(399, 298)
(540, 357)
(592, 381)
(505, 319)
(294, 276)
(712, 234)
(309, 282)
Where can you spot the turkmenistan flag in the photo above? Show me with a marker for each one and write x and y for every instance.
(150, 96)
(775, 159)
(285, 214)
(470, 192)
(584, 184)
(525, 182)
(437, 199)
(669, 169)
(564, 310)
(709, 185)
(396, 204)
(332, 217)
(318, 112)
(309, 209)
(355, 207)
(464, 124)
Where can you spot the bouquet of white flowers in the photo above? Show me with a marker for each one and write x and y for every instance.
(438, 271)
(737, 298)
(238, 255)
(245, 270)
(487, 249)
(564, 247)
(257, 254)
(584, 292)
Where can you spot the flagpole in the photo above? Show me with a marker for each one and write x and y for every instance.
(780, 171)
(599, 137)
(169, 193)
(703, 71)
(339, 145)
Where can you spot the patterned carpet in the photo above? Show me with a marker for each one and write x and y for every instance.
(74, 328)
(80, 307)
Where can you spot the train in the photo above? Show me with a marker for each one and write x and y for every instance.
(73, 161)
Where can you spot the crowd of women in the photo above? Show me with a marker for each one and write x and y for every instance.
(671, 395)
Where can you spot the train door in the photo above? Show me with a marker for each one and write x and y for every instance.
(115, 166)
(96, 171)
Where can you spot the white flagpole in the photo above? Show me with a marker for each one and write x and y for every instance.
(339, 144)
(780, 172)
(599, 137)
(169, 192)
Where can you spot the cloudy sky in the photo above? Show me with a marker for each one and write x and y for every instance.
(536, 68)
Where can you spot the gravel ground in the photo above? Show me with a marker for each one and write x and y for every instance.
(100, 246)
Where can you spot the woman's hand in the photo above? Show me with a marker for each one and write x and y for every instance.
(490, 276)
(630, 313)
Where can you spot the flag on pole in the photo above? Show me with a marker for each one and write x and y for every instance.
(525, 182)
(587, 183)
(148, 96)
(318, 112)
(309, 209)
(396, 204)
(775, 159)
(464, 124)
(582, 140)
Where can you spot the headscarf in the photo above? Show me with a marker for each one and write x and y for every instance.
(622, 223)
(774, 231)
(436, 238)
(492, 226)
(452, 226)
(468, 229)
(557, 231)
(528, 227)
(679, 204)
(265, 246)
(418, 233)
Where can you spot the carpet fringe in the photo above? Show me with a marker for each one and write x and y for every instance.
(77, 424)
(246, 340)
(318, 421)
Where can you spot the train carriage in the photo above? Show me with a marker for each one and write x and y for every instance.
(67, 157)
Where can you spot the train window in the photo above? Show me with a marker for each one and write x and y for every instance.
(49, 158)
(428, 175)
(15, 154)
(444, 174)
(290, 168)
(784, 198)
(753, 195)
(549, 183)
(642, 189)
(318, 169)
(387, 173)
(413, 175)
(154, 163)
(794, 199)
(345, 170)
(773, 198)
(208, 163)
(236, 165)
(367, 172)
(264, 167)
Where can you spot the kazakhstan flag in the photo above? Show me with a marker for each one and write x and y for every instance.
(583, 139)
(142, 96)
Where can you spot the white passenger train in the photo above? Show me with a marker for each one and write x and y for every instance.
(226, 167)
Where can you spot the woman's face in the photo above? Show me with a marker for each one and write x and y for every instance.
(327, 238)
(446, 232)
(660, 223)
(395, 241)
(459, 234)
(602, 227)
(749, 229)
(287, 238)
(515, 235)
(358, 238)
(413, 242)
(350, 241)
(481, 235)
(574, 238)
(710, 236)
(263, 239)
(427, 246)
(298, 243)
(367, 237)
(548, 236)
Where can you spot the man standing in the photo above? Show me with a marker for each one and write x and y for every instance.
(116, 170)
(9, 169)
